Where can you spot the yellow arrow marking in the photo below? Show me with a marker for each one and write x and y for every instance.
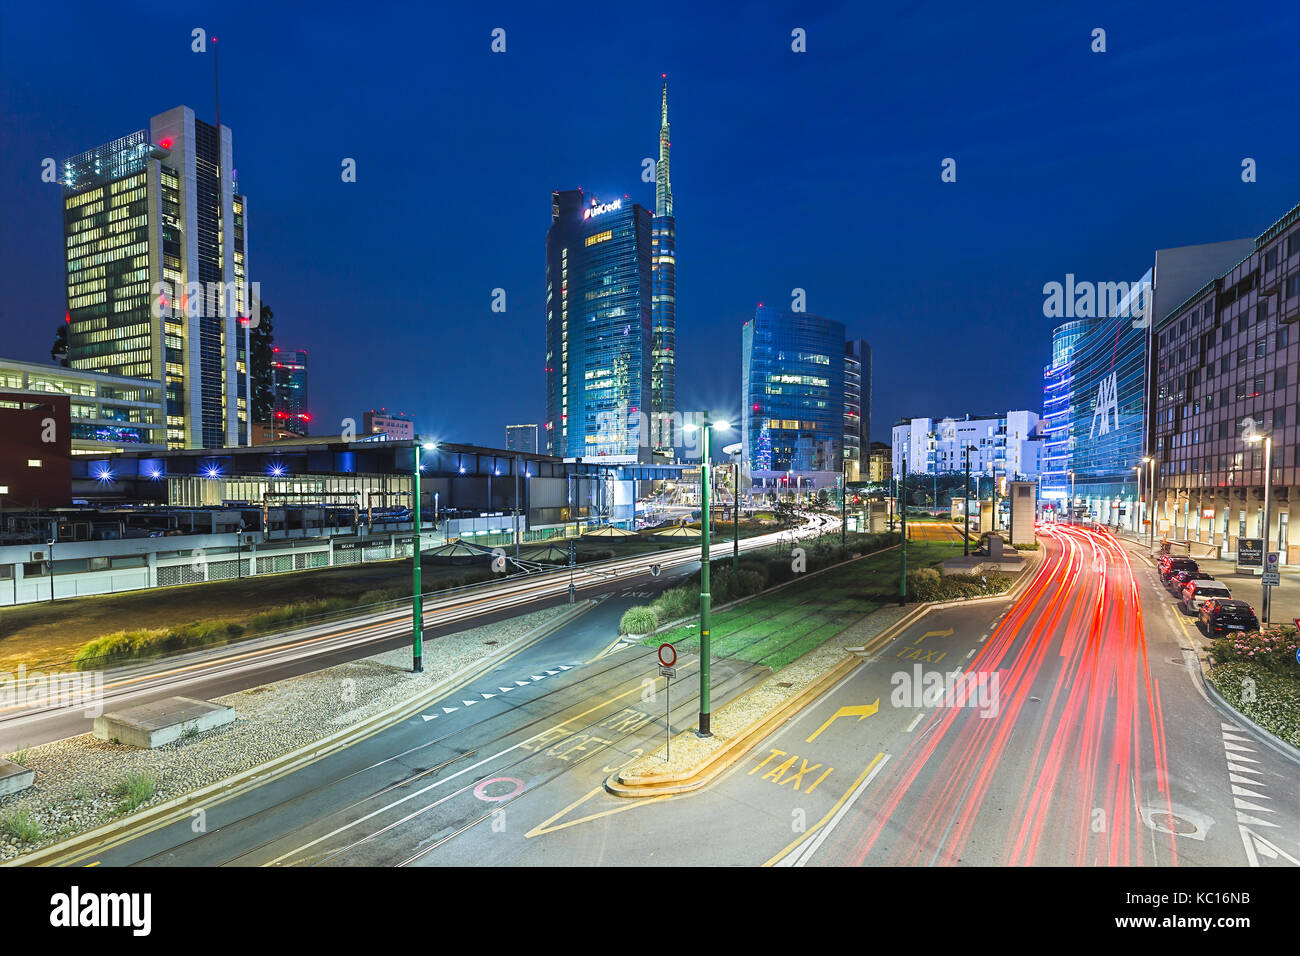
(947, 633)
(864, 710)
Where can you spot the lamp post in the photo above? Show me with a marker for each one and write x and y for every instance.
(1071, 473)
(706, 638)
(1268, 491)
(844, 494)
(417, 606)
(1141, 502)
(1150, 462)
(965, 495)
(902, 537)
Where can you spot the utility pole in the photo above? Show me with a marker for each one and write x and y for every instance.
(844, 494)
(417, 608)
(735, 515)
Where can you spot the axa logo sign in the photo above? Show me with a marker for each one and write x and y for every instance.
(1107, 404)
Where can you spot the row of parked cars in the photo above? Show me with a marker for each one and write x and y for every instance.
(1217, 612)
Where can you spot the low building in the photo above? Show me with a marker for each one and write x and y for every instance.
(396, 426)
(1009, 445)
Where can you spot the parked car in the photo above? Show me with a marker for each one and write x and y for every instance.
(1174, 565)
(1196, 592)
(1226, 616)
(1180, 580)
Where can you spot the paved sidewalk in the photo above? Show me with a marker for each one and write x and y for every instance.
(1245, 585)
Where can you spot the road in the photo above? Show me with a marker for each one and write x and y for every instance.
(214, 672)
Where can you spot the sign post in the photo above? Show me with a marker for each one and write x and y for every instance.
(667, 670)
(1272, 578)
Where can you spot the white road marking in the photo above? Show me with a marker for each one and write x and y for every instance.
(970, 653)
(915, 720)
(809, 847)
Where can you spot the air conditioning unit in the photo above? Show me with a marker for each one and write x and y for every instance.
(38, 556)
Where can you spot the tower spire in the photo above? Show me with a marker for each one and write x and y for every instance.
(663, 179)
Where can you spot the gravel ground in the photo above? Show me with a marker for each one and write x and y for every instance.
(736, 718)
(76, 778)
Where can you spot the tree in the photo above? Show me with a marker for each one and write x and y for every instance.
(59, 350)
(261, 339)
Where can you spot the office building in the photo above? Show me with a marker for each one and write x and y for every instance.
(1224, 367)
(1055, 425)
(598, 328)
(289, 390)
(155, 239)
(793, 388)
(521, 438)
(392, 425)
(663, 298)
(1110, 372)
(879, 462)
(107, 413)
(857, 408)
(1009, 444)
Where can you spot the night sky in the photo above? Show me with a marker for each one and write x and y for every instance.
(816, 170)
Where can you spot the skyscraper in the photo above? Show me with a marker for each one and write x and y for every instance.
(289, 385)
(857, 408)
(598, 354)
(663, 374)
(157, 272)
(792, 380)
(521, 438)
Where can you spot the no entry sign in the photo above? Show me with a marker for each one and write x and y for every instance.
(667, 655)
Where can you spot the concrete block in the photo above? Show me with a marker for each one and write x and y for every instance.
(14, 778)
(161, 721)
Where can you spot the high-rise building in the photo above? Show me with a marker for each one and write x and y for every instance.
(663, 313)
(289, 386)
(521, 438)
(1008, 444)
(857, 408)
(395, 426)
(793, 385)
(598, 328)
(156, 250)
(1056, 427)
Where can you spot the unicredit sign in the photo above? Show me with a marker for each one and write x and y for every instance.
(595, 210)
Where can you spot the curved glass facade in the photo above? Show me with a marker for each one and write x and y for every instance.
(1058, 392)
(792, 378)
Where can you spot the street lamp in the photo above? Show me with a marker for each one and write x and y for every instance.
(417, 606)
(706, 639)
(1071, 473)
(1267, 439)
(1150, 462)
(734, 451)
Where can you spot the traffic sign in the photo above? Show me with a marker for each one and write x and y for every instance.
(1272, 575)
(667, 655)
(668, 672)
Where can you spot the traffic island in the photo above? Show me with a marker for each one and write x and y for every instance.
(162, 722)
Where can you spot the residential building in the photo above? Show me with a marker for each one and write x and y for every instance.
(1010, 445)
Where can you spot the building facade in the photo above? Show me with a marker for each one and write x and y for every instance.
(878, 462)
(1055, 426)
(598, 328)
(857, 408)
(521, 438)
(156, 246)
(793, 390)
(108, 413)
(1224, 367)
(395, 426)
(663, 310)
(289, 389)
(1010, 445)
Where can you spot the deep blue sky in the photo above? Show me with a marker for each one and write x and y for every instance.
(817, 170)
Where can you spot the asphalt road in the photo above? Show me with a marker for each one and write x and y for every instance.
(214, 672)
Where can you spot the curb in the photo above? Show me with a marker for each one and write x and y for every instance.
(1266, 737)
(110, 834)
(702, 774)
(713, 765)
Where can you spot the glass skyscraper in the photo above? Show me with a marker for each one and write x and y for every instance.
(157, 272)
(663, 373)
(289, 386)
(792, 379)
(1058, 393)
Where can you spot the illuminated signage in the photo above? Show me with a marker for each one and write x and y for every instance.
(597, 209)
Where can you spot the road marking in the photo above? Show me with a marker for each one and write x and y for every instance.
(448, 710)
(983, 638)
(861, 711)
(809, 843)
(915, 720)
(428, 718)
(970, 653)
(947, 633)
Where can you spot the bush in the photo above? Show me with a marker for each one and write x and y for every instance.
(133, 790)
(148, 641)
(927, 584)
(20, 827)
(676, 602)
(1274, 648)
(638, 620)
(1267, 696)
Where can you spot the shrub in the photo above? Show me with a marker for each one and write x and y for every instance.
(676, 602)
(1274, 648)
(21, 827)
(133, 790)
(638, 620)
(927, 584)
(148, 641)
(1266, 696)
